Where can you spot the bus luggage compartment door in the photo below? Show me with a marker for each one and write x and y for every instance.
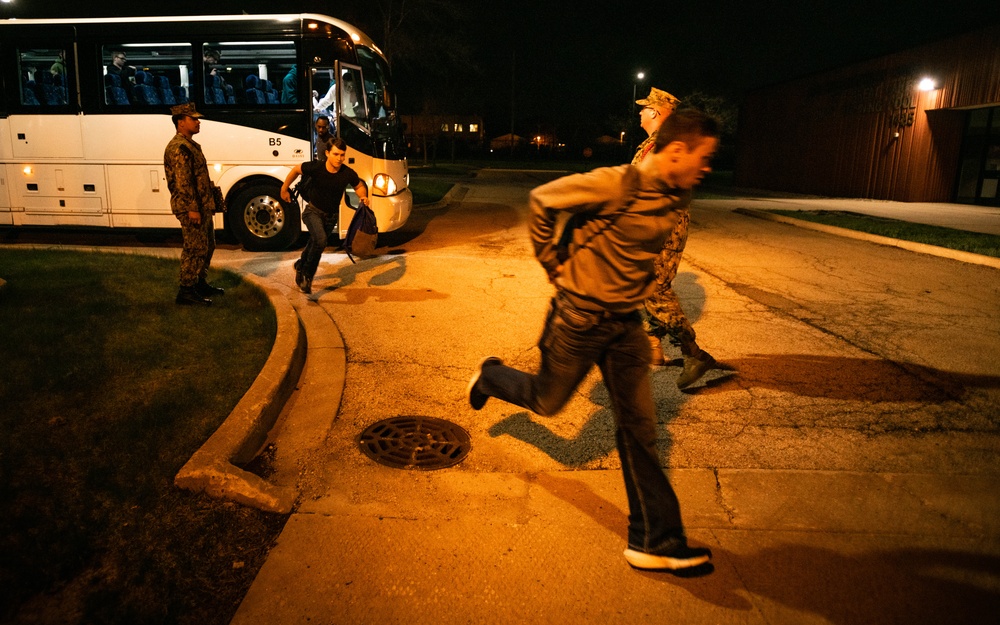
(62, 194)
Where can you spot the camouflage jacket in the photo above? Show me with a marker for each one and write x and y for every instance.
(644, 148)
(187, 177)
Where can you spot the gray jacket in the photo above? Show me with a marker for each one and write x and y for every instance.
(611, 262)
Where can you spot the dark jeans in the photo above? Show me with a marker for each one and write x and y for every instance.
(320, 230)
(572, 342)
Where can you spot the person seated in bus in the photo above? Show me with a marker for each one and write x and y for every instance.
(211, 57)
(290, 86)
(125, 73)
(58, 68)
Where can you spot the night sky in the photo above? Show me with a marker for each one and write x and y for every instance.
(575, 61)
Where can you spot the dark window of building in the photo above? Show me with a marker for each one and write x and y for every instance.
(979, 176)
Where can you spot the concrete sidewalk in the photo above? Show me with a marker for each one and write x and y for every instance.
(462, 546)
(968, 217)
(789, 547)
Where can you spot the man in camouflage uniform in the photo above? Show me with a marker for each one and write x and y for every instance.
(192, 201)
(656, 107)
(663, 314)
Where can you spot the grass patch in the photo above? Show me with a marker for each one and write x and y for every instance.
(974, 242)
(107, 389)
(428, 190)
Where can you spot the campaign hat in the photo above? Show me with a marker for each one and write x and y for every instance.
(185, 109)
(659, 99)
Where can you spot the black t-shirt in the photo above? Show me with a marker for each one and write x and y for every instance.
(326, 189)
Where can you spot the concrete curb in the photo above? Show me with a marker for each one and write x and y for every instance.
(313, 407)
(454, 194)
(212, 468)
(920, 248)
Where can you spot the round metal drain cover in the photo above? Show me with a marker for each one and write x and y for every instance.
(423, 443)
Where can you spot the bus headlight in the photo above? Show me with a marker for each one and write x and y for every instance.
(384, 184)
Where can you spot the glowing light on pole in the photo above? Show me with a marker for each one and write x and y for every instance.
(639, 77)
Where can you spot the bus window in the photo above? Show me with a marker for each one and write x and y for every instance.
(248, 72)
(43, 77)
(376, 87)
(139, 74)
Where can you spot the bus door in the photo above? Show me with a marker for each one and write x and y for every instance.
(352, 127)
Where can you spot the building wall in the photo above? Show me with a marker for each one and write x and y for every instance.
(865, 130)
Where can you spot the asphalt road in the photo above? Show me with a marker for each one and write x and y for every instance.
(844, 355)
(843, 468)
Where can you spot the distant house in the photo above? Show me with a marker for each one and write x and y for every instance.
(507, 142)
(430, 137)
(918, 125)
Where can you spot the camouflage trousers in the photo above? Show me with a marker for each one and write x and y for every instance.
(663, 315)
(199, 245)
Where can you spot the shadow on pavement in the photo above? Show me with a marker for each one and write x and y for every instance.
(888, 586)
(836, 377)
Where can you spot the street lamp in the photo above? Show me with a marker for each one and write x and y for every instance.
(639, 77)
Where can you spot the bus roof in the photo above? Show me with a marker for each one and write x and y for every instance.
(356, 35)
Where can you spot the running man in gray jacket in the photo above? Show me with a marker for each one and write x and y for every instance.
(624, 215)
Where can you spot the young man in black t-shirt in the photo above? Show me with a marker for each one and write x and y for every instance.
(329, 180)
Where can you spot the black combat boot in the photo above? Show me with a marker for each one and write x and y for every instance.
(207, 290)
(188, 295)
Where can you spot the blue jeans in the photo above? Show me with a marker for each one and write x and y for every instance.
(572, 342)
(320, 230)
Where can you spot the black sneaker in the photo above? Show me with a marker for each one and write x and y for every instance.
(477, 398)
(306, 285)
(682, 557)
(299, 278)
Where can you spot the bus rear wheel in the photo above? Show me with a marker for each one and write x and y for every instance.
(261, 221)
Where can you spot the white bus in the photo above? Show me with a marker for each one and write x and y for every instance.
(85, 116)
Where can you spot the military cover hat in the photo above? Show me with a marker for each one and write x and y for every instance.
(185, 109)
(659, 99)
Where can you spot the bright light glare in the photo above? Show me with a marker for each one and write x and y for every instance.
(384, 184)
(927, 84)
(640, 75)
(27, 170)
(217, 167)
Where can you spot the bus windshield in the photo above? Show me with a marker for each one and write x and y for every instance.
(381, 121)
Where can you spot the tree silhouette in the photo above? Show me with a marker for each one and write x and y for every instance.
(428, 46)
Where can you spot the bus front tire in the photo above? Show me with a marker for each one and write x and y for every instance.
(261, 221)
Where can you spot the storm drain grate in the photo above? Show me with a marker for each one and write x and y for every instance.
(408, 442)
